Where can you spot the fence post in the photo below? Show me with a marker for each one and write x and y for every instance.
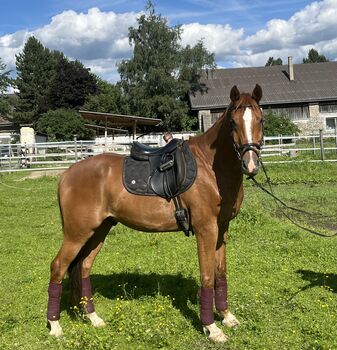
(336, 133)
(314, 142)
(10, 157)
(321, 143)
(75, 145)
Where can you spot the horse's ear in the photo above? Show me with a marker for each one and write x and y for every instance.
(235, 94)
(257, 93)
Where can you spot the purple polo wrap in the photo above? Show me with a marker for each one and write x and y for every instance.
(221, 294)
(88, 304)
(206, 306)
(54, 299)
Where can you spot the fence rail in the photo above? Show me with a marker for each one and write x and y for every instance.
(60, 155)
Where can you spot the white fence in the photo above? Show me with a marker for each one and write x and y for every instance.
(60, 155)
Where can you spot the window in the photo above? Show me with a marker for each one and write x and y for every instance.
(293, 112)
(328, 107)
(330, 123)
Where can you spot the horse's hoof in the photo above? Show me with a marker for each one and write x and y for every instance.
(55, 329)
(229, 320)
(215, 334)
(95, 320)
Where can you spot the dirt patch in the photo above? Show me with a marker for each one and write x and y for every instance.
(38, 174)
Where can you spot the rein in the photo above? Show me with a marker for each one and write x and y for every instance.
(280, 202)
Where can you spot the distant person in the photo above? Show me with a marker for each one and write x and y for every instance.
(168, 137)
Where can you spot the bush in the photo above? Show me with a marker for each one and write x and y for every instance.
(279, 125)
(62, 125)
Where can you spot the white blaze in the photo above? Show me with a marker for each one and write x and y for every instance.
(248, 119)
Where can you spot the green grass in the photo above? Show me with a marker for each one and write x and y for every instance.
(282, 281)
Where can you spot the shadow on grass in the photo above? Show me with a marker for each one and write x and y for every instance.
(318, 279)
(181, 290)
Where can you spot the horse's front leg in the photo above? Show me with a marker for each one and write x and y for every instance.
(206, 241)
(220, 285)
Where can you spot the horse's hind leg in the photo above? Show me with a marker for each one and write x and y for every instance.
(71, 256)
(58, 268)
(91, 250)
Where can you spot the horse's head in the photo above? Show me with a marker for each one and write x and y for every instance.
(247, 128)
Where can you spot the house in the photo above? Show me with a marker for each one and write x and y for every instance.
(306, 93)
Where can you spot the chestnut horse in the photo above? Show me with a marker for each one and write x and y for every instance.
(92, 199)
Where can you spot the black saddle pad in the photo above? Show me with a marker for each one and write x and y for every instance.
(141, 176)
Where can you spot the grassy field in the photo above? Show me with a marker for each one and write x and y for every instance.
(282, 281)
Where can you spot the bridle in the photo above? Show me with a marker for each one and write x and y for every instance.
(246, 147)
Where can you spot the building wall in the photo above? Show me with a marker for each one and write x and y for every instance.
(311, 121)
(314, 123)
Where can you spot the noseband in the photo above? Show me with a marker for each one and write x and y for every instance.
(246, 147)
(255, 147)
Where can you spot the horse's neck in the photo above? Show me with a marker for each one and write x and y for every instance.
(216, 143)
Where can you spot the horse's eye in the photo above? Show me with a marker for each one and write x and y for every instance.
(233, 124)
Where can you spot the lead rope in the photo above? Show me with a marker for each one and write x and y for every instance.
(279, 202)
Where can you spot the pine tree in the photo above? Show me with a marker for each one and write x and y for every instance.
(5, 83)
(314, 57)
(36, 69)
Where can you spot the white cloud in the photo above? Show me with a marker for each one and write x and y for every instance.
(91, 37)
(221, 39)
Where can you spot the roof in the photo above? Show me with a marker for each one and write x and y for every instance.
(119, 120)
(313, 82)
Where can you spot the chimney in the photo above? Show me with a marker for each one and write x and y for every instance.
(291, 68)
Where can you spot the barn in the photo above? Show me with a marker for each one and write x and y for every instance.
(305, 93)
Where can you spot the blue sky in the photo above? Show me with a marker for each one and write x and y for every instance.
(17, 15)
(241, 33)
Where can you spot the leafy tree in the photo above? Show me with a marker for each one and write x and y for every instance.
(156, 80)
(71, 85)
(108, 99)
(36, 69)
(62, 125)
(5, 83)
(272, 62)
(314, 57)
(278, 125)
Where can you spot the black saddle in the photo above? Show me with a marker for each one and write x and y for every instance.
(166, 171)
(140, 151)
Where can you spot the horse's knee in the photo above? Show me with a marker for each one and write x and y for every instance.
(207, 281)
(55, 270)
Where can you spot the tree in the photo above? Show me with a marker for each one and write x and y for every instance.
(36, 69)
(314, 57)
(62, 125)
(71, 85)
(108, 99)
(272, 62)
(156, 80)
(48, 80)
(5, 83)
(275, 125)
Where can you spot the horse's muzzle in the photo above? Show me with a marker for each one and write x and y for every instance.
(250, 162)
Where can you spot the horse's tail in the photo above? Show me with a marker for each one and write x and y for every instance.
(75, 280)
